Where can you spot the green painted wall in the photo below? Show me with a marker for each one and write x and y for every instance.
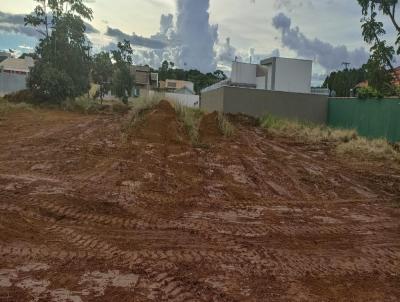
(372, 118)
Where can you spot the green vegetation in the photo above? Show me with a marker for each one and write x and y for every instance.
(190, 117)
(345, 80)
(63, 65)
(368, 93)
(6, 107)
(347, 141)
(102, 71)
(122, 80)
(200, 80)
(225, 126)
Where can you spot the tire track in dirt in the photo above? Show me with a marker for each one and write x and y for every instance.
(173, 288)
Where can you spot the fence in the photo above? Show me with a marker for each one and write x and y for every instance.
(371, 118)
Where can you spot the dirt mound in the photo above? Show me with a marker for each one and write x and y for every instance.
(161, 125)
(209, 129)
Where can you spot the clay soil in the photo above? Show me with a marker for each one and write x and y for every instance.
(90, 214)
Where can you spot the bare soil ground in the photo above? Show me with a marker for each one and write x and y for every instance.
(89, 215)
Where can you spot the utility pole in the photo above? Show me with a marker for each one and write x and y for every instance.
(346, 65)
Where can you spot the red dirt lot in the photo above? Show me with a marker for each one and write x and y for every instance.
(88, 213)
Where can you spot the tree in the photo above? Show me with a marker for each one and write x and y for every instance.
(344, 80)
(122, 82)
(373, 33)
(63, 50)
(102, 72)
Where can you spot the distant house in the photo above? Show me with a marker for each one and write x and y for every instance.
(13, 74)
(4, 55)
(173, 85)
(273, 74)
(144, 79)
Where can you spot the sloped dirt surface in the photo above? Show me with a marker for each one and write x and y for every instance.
(88, 216)
(209, 131)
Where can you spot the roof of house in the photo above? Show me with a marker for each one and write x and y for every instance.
(17, 64)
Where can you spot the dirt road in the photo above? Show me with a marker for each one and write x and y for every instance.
(88, 214)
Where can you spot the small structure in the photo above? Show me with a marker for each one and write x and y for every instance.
(173, 85)
(14, 73)
(4, 55)
(144, 79)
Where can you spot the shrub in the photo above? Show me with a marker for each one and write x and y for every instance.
(369, 92)
(81, 104)
(376, 149)
(190, 117)
(225, 126)
(306, 131)
(7, 107)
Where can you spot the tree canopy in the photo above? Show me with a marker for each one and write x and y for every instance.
(63, 64)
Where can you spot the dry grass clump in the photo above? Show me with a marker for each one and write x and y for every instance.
(6, 107)
(141, 105)
(225, 126)
(306, 131)
(347, 141)
(375, 149)
(190, 117)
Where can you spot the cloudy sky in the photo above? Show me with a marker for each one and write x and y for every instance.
(209, 34)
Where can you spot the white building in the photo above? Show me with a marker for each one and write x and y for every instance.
(13, 74)
(277, 74)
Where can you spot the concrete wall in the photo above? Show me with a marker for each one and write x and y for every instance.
(189, 100)
(213, 100)
(254, 102)
(244, 73)
(293, 75)
(11, 82)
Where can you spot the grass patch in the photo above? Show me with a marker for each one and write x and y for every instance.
(375, 149)
(225, 126)
(347, 142)
(6, 107)
(141, 105)
(306, 131)
(190, 117)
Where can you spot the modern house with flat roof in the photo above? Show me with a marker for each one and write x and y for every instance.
(277, 86)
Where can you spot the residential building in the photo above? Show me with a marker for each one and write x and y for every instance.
(144, 79)
(172, 85)
(14, 73)
(275, 74)
(4, 55)
(276, 86)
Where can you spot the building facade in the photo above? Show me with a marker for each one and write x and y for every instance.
(13, 74)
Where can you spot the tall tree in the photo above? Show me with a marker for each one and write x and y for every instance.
(102, 72)
(122, 83)
(63, 64)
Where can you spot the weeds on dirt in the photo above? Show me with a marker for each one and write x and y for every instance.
(347, 141)
(306, 131)
(81, 104)
(6, 107)
(141, 105)
(225, 126)
(375, 149)
(190, 117)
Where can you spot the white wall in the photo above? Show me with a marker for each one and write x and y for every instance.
(11, 82)
(188, 100)
(293, 75)
(244, 73)
(261, 83)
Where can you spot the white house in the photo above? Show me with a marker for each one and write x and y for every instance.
(276, 74)
(13, 74)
